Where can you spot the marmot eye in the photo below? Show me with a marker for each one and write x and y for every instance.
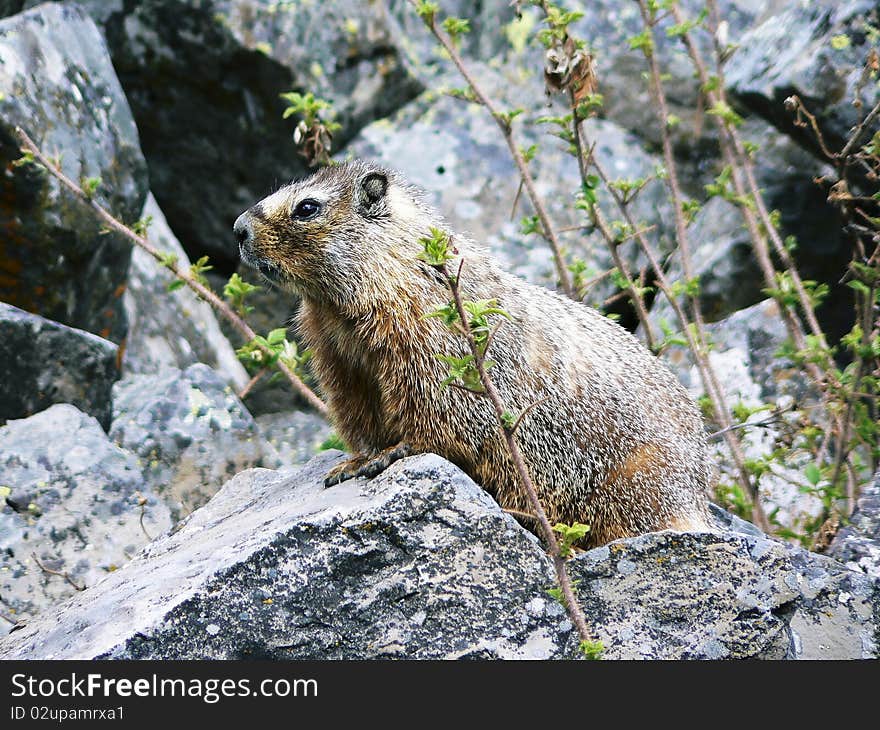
(306, 209)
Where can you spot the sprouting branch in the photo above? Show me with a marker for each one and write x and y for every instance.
(504, 124)
(508, 430)
(191, 281)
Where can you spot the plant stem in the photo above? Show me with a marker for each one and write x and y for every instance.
(562, 272)
(571, 602)
(204, 292)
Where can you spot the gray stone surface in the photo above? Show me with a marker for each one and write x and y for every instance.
(44, 362)
(72, 498)
(171, 329)
(837, 612)
(57, 82)
(421, 563)
(791, 53)
(203, 78)
(857, 544)
(189, 430)
(295, 437)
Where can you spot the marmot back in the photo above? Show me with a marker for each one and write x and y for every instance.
(615, 441)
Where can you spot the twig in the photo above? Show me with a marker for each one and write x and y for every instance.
(66, 576)
(571, 602)
(204, 292)
(252, 382)
(562, 272)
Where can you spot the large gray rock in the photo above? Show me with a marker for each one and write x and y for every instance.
(421, 563)
(189, 430)
(57, 82)
(171, 329)
(72, 498)
(203, 78)
(857, 544)
(295, 436)
(792, 53)
(45, 362)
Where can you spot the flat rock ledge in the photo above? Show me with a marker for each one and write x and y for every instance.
(421, 563)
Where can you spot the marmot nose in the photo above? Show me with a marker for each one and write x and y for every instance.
(242, 229)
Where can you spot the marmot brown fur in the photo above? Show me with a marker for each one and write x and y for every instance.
(615, 442)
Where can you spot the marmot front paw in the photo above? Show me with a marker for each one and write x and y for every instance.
(367, 465)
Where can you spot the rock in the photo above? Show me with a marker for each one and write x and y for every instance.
(722, 252)
(73, 499)
(688, 596)
(421, 563)
(607, 25)
(838, 611)
(751, 373)
(57, 82)
(171, 329)
(418, 563)
(189, 430)
(203, 78)
(470, 177)
(838, 616)
(794, 53)
(857, 544)
(295, 435)
(45, 362)
(491, 23)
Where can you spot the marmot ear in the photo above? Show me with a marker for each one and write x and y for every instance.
(371, 193)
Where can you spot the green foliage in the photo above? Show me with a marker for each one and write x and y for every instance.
(456, 27)
(333, 441)
(725, 113)
(236, 291)
(569, 535)
(592, 650)
(90, 186)
(427, 11)
(265, 352)
(198, 269)
(437, 250)
(140, 227)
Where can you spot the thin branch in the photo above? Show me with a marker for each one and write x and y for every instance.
(204, 292)
(252, 382)
(66, 576)
(574, 609)
(504, 125)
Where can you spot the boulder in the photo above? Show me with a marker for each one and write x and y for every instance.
(295, 436)
(411, 564)
(73, 499)
(816, 50)
(171, 329)
(189, 430)
(57, 82)
(203, 78)
(421, 563)
(857, 544)
(44, 362)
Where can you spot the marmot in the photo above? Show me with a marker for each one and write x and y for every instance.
(616, 442)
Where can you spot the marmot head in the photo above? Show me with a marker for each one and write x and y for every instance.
(346, 236)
